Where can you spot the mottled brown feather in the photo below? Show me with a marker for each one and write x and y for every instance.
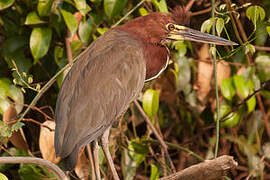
(96, 91)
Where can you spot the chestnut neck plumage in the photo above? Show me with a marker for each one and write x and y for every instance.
(151, 30)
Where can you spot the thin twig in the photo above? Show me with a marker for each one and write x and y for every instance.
(126, 15)
(262, 48)
(216, 82)
(204, 11)
(68, 47)
(33, 160)
(163, 144)
(21, 78)
(178, 147)
(189, 5)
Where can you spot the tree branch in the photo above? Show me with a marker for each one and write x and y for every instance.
(33, 160)
(209, 169)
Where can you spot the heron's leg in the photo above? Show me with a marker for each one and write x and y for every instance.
(96, 160)
(105, 147)
(90, 154)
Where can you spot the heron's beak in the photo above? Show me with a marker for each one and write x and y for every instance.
(178, 32)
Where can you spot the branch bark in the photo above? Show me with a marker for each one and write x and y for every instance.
(209, 169)
(33, 160)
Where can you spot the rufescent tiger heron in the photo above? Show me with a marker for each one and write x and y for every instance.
(110, 74)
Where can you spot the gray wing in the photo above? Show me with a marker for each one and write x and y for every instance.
(97, 90)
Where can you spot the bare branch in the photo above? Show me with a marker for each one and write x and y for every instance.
(33, 160)
(209, 169)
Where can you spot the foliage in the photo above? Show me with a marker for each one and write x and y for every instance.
(34, 36)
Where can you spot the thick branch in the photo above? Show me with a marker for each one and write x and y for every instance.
(209, 169)
(33, 160)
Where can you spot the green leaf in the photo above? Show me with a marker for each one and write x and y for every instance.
(12, 44)
(113, 8)
(241, 85)
(255, 13)
(7, 89)
(17, 126)
(3, 177)
(5, 130)
(181, 47)
(184, 74)
(143, 12)
(207, 25)
(150, 102)
(219, 26)
(85, 29)
(227, 88)
(40, 40)
(154, 172)
(230, 121)
(138, 158)
(268, 29)
(139, 148)
(263, 63)
(33, 171)
(249, 48)
(32, 18)
(251, 103)
(58, 54)
(5, 4)
(128, 165)
(70, 21)
(161, 6)
(44, 7)
(102, 30)
(82, 6)
(76, 46)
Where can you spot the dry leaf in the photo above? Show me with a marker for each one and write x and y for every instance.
(46, 142)
(204, 75)
(223, 71)
(17, 138)
(241, 70)
(82, 167)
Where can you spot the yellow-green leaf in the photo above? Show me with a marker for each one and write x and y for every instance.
(113, 8)
(161, 6)
(70, 21)
(3, 177)
(150, 102)
(227, 88)
(44, 7)
(255, 13)
(268, 29)
(32, 18)
(207, 25)
(5, 4)
(82, 6)
(154, 172)
(143, 12)
(40, 40)
(219, 26)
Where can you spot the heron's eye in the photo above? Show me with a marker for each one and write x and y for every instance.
(171, 27)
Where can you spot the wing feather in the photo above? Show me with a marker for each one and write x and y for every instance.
(97, 90)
